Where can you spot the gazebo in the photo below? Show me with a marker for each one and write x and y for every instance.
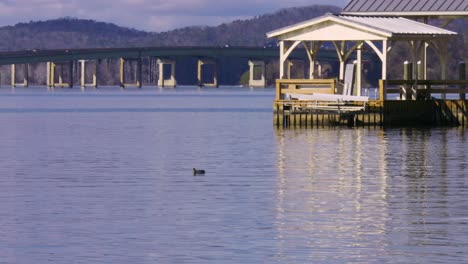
(375, 25)
(351, 33)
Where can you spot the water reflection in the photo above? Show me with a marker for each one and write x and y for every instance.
(371, 194)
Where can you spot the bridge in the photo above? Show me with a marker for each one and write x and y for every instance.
(71, 59)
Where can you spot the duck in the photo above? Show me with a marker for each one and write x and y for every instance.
(195, 171)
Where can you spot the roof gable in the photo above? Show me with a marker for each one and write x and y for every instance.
(331, 27)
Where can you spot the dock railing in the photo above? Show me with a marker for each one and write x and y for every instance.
(304, 86)
(421, 89)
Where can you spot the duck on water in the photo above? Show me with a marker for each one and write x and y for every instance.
(195, 171)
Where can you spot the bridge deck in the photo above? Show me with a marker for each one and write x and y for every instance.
(36, 56)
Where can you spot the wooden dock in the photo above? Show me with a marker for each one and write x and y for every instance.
(412, 105)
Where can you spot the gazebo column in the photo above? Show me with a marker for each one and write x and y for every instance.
(359, 69)
(343, 54)
(312, 55)
(419, 54)
(285, 51)
(281, 64)
(340, 51)
(423, 72)
(383, 57)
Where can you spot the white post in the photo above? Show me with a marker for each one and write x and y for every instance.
(426, 45)
(282, 59)
(48, 74)
(83, 73)
(161, 74)
(359, 69)
(384, 59)
(13, 75)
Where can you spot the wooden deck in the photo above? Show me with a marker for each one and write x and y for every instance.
(412, 105)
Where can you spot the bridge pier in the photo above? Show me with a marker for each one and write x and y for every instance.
(162, 82)
(123, 61)
(25, 82)
(253, 82)
(51, 74)
(83, 74)
(201, 63)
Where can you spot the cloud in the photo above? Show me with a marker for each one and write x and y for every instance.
(149, 15)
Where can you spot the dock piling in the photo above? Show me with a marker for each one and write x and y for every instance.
(462, 76)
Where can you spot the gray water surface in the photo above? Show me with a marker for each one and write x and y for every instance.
(105, 176)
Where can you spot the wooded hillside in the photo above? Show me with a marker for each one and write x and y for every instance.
(69, 33)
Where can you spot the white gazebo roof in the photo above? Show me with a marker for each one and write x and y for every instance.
(359, 30)
(353, 28)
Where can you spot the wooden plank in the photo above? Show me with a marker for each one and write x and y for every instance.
(448, 90)
(306, 81)
(305, 91)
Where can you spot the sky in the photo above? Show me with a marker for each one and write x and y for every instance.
(148, 15)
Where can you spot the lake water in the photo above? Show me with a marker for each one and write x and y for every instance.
(105, 176)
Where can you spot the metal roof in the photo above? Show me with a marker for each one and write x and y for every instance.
(407, 7)
(398, 25)
(382, 27)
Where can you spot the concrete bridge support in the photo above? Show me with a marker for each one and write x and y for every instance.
(201, 63)
(123, 61)
(25, 82)
(83, 74)
(253, 82)
(162, 82)
(52, 73)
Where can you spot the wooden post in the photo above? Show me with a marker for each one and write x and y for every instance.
(462, 76)
(278, 90)
(382, 93)
(407, 75)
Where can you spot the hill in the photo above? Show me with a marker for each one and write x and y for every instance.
(69, 33)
